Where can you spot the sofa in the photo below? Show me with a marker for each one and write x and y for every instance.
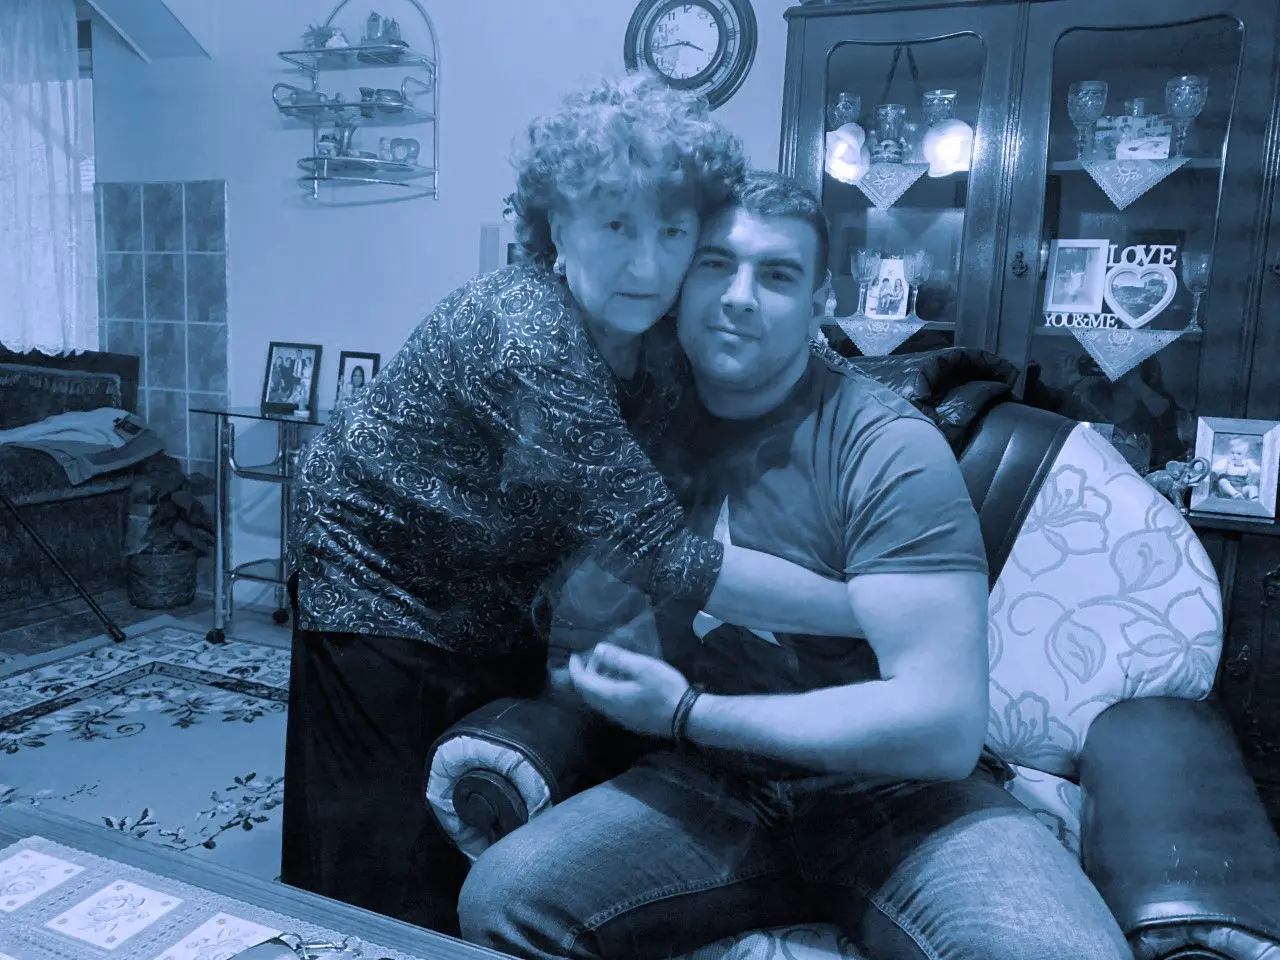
(1105, 631)
(84, 524)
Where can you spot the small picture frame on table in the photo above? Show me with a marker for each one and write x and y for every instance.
(1077, 273)
(292, 376)
(1244, 460)
(355, 371)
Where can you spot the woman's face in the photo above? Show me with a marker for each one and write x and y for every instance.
(624, 259)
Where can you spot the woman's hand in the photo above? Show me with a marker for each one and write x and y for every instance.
(636, 691)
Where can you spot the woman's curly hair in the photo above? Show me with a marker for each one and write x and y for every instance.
(621, 134)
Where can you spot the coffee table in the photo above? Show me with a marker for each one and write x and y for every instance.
(99, 854)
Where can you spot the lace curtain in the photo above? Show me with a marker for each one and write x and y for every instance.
(48, 294)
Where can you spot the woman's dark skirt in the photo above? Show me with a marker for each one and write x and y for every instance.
(363, 713)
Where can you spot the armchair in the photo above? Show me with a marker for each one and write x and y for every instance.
(1105, 634)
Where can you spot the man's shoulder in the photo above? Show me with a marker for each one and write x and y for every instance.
(863, 406)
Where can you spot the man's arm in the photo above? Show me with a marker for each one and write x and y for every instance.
(925, 719)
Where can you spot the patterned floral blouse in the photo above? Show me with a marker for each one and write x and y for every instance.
(492, 446)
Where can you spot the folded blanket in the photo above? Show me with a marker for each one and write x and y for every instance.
(86, 443)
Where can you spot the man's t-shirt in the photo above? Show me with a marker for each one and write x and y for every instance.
(844, 478)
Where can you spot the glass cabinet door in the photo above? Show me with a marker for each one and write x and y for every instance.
(1123, 290)
(903, 122)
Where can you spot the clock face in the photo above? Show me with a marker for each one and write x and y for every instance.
(685, 42)
(701, 45)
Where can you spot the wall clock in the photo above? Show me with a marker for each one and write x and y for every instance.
(702, 45)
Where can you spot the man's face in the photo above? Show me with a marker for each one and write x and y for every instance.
(749, 305)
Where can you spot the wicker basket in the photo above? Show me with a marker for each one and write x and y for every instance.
(161, 581)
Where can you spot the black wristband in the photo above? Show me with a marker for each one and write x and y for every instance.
(680, 719)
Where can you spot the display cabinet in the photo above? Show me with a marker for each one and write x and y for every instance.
(1091, 186)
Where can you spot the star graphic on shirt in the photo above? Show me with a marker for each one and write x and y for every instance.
(703, 622)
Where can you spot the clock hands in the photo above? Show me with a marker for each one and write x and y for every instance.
(681, 43)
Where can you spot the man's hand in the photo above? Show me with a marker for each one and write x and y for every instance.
(636, 691)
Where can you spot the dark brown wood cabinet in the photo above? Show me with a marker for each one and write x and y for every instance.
(1025, 251)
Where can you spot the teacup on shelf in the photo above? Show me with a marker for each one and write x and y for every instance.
(405, 150)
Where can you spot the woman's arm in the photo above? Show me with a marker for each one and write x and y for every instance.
(563, 429)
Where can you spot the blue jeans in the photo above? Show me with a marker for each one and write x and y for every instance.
(673, 854)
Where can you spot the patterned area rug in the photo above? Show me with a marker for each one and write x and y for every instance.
(163, 736)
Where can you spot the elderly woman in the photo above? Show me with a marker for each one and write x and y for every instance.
(493, 446)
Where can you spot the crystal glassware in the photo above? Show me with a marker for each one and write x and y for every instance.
(1196, 268)
(846, 109)
(1185, 97)
(938, 105)
(1085, 102)
(888, 147)
(866, 267)
(918, 265)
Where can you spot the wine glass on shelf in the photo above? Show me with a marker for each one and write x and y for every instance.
(1185, 97)
(1196, 268)
(1185, 423)
(866, 267)
(918, 266)
(1086, 100)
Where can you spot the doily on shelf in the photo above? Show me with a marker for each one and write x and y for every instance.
(1124, 181)
(1119, 351)
(885, 183)
(875, 338)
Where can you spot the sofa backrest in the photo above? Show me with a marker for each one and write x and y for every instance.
(1101, 592)
(34, 386)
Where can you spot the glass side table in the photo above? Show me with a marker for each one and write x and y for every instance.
(280, 470)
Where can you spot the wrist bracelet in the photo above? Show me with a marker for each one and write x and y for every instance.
(680, 719)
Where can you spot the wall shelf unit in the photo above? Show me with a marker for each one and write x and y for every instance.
(341, 170)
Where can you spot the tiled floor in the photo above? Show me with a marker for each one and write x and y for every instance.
(61, 624)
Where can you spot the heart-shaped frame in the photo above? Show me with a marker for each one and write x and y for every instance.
(1129, 291)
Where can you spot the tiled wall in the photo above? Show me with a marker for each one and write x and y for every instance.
(163, 297)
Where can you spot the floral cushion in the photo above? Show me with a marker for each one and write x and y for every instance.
(810, 941)
(1107, 595)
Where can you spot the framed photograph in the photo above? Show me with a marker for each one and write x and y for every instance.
(1076, 276)
(291, 378)
(887, 295)
(1244, 458)
(355, 370)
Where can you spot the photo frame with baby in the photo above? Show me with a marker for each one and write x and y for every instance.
(1244, 460)
(888, 294)
(293, 374)
(1076, 276)
(355, 371)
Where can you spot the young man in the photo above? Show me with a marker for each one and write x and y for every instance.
(816, 778)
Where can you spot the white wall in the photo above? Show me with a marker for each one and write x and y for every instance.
(361, 278)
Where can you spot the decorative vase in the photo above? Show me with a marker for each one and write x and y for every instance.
(846, 109)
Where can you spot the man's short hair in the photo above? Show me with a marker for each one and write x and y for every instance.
(765, 193)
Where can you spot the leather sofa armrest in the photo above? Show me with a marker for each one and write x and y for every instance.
(506, 762)
(1173, 832)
